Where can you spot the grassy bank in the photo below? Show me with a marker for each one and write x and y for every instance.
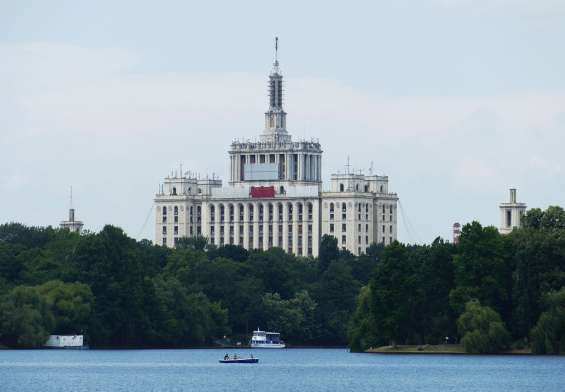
(432, 349)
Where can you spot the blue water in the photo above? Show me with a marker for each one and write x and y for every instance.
(279, 370)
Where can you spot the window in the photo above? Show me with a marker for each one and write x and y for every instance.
(164, 241)
(366, 188)
(383, 228)
(331, 227)
(164, 210)
(331, 211)
(343, 227)
(174, 190)
(366, 239)
(508, 218)
(341, 187)
(343, 239)
(176, 230)
(390, 229)
(381, 189)
(357, 187)
(367, 227)
(164, 229)
(176, 210)
(359, 227)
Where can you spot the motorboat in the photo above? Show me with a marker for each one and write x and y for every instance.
(236, 359)
(262, 339)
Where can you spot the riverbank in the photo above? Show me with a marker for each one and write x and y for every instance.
(455, 349)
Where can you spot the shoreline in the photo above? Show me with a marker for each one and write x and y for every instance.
(439, 349)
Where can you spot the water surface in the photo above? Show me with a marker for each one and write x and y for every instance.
(279, 370)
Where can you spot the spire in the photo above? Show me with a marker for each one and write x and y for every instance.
(276, 63)
(275, 117)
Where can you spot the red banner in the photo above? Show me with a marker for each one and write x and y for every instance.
(262, 191)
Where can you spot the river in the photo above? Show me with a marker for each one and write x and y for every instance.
(309, 370)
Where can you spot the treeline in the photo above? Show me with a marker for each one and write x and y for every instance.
(119, 292)
(490, 292)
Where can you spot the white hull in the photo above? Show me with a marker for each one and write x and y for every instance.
(267, 345)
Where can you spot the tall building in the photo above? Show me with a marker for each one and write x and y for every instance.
(511, 214)
(275, 196)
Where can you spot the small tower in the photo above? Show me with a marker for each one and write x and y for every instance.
(456, 232)
(511, 214)
(72, 224)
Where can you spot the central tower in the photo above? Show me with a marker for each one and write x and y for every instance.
(275, 160)
(275, 117)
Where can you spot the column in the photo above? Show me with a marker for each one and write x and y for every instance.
(255, 224)
(295, 228)
(316, 232)
(265, 226)
(205, 220)
(276, 225)
(245, 225)
(305, 228)
(236, 224)
(285, 227)
(216, 224)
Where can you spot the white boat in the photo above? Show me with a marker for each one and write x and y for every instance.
(262, 339)
(65, 341)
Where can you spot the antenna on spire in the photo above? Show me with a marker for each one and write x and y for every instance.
(347, 165)
(276, 50)
(71, 198)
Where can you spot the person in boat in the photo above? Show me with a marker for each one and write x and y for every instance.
(226, 357)
(235, 356)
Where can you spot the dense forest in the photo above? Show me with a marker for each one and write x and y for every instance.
(489, 292)
(125, 293)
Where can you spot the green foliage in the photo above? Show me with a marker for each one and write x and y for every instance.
(328, 251)
(548, 336)
(25, 318)
(482, 270)
(293, 317)
(552, 218)
(482, 329)
(70, 304)
(362, 333)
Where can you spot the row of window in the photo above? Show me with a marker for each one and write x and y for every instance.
(358, 188)
(264, 213)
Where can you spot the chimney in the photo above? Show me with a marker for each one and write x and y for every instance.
(512, 195)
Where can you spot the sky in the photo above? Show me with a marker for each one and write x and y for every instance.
(455, 100)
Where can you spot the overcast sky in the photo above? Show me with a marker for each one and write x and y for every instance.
(454, 100)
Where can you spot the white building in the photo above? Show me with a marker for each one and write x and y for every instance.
(511, 214)
(275, 197)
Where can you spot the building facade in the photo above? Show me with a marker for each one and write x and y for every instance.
(275, 196)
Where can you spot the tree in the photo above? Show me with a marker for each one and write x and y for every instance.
(335, 294)
(394, 299)
(482, 330)
(482, 270)
(362, 329)
(71, 305)
(548, 336)
(25, 318)
(328, 251)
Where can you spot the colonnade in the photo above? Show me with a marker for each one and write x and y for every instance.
(292, 166)
(292, 225)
